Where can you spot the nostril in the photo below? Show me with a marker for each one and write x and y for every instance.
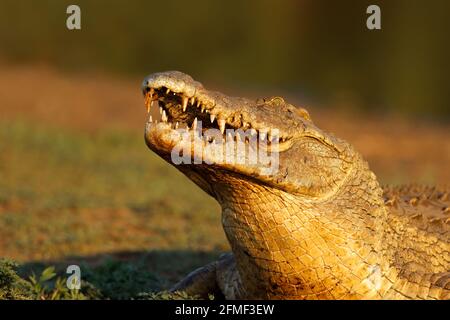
(145, 85)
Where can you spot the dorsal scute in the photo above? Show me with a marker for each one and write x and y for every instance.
(428, 208)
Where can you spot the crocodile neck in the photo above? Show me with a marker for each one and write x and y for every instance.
(307, 246)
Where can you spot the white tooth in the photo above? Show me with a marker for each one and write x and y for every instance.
(150, 119)
(269, 135)
(203, 108)
(185, 101)
(192, 100)
(222, 125)
(229, 136)
(176, 125)
(262, 135)
(212, 117)
(198, 103)
(160, 110)
(167, 91)
(164, 116)
(194, 125)
(152, 91)
(244, 124)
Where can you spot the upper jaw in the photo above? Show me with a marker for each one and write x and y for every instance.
(175, 80)
(182, 99)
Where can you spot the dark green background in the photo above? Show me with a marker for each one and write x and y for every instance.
(319, 50)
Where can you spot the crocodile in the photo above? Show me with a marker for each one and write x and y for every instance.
(320, 226)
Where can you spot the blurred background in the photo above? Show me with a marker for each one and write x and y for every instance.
(76, 180)
(320, 49)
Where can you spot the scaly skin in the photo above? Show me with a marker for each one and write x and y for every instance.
(320, 227)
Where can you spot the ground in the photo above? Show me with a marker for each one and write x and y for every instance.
(78, 185)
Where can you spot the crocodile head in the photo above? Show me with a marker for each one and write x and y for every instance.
(311, 206)
(282, 150)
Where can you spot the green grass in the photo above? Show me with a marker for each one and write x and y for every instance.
(112, 280)
(101, 200)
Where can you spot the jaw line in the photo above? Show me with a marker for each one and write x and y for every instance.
(162, 139)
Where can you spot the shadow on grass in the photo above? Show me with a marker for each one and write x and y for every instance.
(124, 275)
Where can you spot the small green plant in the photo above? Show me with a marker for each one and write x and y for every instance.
(13, 287)
(111, 280)
(39, 283)
(47, 287)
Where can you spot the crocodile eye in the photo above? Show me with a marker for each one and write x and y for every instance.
(300, 112)
(303, 113)
(277, 100)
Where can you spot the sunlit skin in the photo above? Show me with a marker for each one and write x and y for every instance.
(319, 227)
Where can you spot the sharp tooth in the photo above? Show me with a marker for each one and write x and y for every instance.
(150, 119)
(212, 117)
(262, 135)
(160, 110)
(176, 125)
(167, 91)
(222, 125)
(198, 103)
(194, 125)
(203, 108)
(164, 116)
(253, 135)
(192, 100)
(185, 101)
